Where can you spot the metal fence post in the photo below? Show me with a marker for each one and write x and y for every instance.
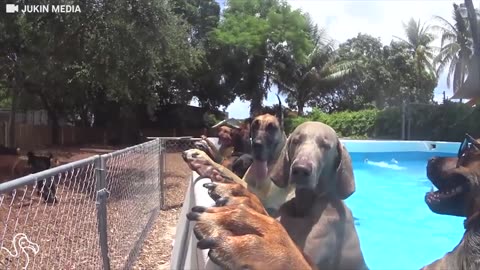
(161, 165)
(101, 202)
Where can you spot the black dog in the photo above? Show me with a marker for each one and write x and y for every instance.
(241, 164)
(8, 150)
(46, 188)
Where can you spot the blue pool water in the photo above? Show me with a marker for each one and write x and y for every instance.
(397, 230)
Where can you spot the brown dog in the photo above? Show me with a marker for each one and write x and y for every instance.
(458, 183)
(234, 148)
(241, 238)
(225, 142)
(317, 165)
(239, 225)
(268, 141)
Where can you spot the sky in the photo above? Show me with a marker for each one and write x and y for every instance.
(345, 19)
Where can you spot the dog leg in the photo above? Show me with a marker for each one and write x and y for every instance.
(202, 164)
(240, 238)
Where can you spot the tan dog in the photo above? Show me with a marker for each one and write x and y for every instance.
(318, 167)
(458, 183)
(268, 141)
(241, 238)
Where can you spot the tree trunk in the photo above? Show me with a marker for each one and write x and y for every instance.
(472, 19)
(11, 123)
(55, 127)
(300, 106)
(255, 78)
(256, 102)
(52, 116)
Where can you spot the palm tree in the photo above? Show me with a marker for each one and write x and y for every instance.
(456, 48)
(299, 80)
(419, 41)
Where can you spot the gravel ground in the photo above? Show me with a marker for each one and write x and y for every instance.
(157, 247)
(72, 238)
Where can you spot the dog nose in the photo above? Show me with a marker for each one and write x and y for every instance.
(302, 170)
(257, 144)
(432, 159)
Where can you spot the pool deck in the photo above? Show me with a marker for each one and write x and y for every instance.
(185, 254)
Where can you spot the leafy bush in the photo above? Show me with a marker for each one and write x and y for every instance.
(446, 122)
(359, 124)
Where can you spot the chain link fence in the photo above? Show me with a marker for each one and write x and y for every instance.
(105, 207)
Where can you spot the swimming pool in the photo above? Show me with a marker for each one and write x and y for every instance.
(397, 230)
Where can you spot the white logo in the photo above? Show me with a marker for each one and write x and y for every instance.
(11, 8)
(24, 244)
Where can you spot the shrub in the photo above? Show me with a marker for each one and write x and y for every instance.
(446, 122)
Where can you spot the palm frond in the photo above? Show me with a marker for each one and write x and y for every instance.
(338, 70)
(446, 25)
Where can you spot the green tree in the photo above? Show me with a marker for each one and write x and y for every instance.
(251, 29)
(105, 65)
(419, 41)
(456, 48)
(301, 81)
(207, 83)
(404, 77)
(364, 76)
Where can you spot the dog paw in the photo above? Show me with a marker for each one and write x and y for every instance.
(227, 194)
(202, 145)
(240, 238)
(200, 162)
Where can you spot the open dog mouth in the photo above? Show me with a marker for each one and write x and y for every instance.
(447, 197)
(444, 194)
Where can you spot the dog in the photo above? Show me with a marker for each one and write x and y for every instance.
(239, 237)
(234, 148)
(46, 188)
(9, 150)
(225, 141)
(318, 166)
(458, 182)
(268, 140)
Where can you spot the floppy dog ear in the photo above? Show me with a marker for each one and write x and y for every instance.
(345, 185)
(281, 170)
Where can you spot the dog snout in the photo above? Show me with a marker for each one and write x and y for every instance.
(302, 170)
(257, 145)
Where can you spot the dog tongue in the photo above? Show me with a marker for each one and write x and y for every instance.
(259, 170)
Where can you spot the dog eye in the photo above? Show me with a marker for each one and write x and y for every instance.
(271, 127)
(254, 125)
(295, 140)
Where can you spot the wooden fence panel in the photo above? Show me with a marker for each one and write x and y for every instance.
(35, 136)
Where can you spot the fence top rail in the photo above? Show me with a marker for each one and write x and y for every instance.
(32, 178)
(176, 138)
(121, 151)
